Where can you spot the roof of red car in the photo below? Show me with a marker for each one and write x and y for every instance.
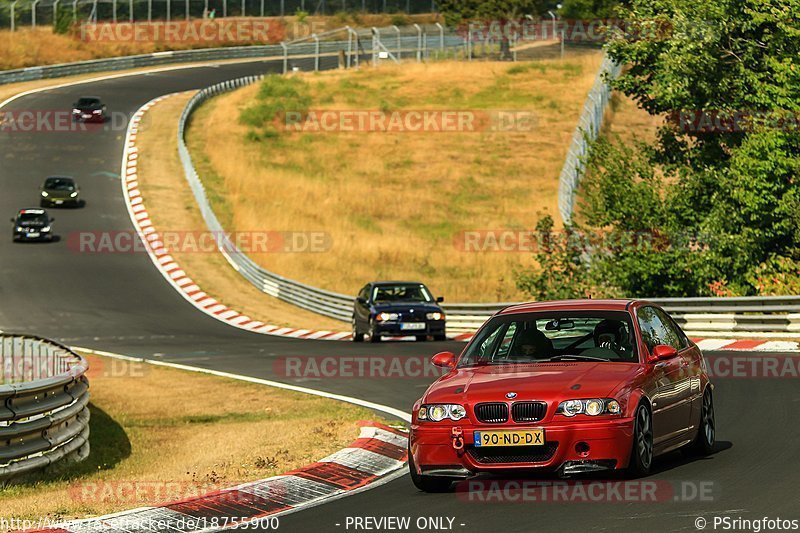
(606, 305)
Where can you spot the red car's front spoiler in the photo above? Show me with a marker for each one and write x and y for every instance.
(580, 446)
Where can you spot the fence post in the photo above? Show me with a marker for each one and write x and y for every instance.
(13, 15)
(285, 57)
(74, 10)
(419, 42)
(33, 13)
(562, 44)
(149, 10)
(243, 8)
(114, 10)
(399, 42)
(316, 52)
(55, 12)
(224, 8)
(349, 46)
(187, 9)
(376, 38)
(441, 36)
(130, 11)
(169, 10)
(283, 7)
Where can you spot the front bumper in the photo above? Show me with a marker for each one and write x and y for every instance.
(33, 237)
(88, 117)
(58, 202)
(570, 447)
(395, 329)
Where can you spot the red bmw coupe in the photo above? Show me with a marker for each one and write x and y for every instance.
(570, 386)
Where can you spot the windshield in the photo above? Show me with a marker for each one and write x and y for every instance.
(536, 337)
(401, 293)
(32, 219)
(59, 184)
(87, 102)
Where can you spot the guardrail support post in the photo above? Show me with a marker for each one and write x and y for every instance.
(33, 13)
(285, 57)
(419, 42)
(316, 52)
(399, 43)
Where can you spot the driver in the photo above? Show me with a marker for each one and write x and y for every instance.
(532, 344)
(612, 335)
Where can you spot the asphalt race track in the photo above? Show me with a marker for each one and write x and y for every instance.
(121, 303)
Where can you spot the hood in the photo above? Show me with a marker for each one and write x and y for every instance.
(405, 307)
(549, 382)
(59, 193)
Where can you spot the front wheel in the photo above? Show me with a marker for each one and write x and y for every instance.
(642, 450)
(373, 335)
(357, 336)
(427, 483)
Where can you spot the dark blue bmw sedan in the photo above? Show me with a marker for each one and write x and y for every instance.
(397, 309)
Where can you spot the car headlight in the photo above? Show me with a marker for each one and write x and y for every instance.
(590, 407)
(44, 194)
(73, 194)
(97, 111)
(382, 317)
(75, 110)
(45, 229)
(441, 411)
(19, 228)
(435, 316)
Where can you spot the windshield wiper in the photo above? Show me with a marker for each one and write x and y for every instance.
(577, 358)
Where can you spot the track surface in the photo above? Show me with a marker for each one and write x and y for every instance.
(120, 303)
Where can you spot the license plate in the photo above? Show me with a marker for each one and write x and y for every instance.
(528, 437)
(59, 202)
(412, 325)
(87, 116)
(33, 235)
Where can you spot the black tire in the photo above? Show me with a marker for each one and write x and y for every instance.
(373, 336)
(703, 443)
(642, 447)
(420, 338)
(357, 335)
(427, 483)
(440, 338)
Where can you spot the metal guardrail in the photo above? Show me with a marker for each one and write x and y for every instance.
(587, 130)
(44, 397)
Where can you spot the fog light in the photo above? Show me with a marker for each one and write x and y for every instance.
(582, 449)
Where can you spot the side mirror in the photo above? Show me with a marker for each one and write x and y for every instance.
(444, 360)
(52, 219)
(662, 352)
(361, 300)
(440, 299)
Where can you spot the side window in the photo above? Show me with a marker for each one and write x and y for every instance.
(505, 343)
(487, 347)
(364, 292)
(653, 330)
(675, 337)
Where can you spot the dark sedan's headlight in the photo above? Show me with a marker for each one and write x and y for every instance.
(435, 316)
(590, 407)
(384, 317)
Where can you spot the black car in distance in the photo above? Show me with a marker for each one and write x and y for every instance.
(32, 225)
(89, 109)
(397, 309)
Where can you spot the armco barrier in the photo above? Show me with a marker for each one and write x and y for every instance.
(746, 316)
(44, 397)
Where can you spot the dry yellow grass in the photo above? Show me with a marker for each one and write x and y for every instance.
(172, 207)
(152, 430)
(29, 47)
(394, 204)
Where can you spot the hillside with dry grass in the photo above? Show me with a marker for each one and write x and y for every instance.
(395, 205)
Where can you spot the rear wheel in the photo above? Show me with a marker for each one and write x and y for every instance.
(427, 483)
(642, 451)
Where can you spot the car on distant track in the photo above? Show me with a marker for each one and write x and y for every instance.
(58, 191)
(32, 225)
(397, 308)
(569, 386)
(89, 109)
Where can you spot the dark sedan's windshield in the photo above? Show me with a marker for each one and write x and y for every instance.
(32, 219)
(401, 293)
(537, 337)
(59, 184)
(88, 102)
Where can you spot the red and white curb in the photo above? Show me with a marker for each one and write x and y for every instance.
(166, 264)
(378, 455)
(170, 269)
(747, 345)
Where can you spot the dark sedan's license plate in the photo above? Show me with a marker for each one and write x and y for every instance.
(527, 437)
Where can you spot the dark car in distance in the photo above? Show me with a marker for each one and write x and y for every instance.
(32, 225)
(89, 109)
(397, 309)
(60, 190)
